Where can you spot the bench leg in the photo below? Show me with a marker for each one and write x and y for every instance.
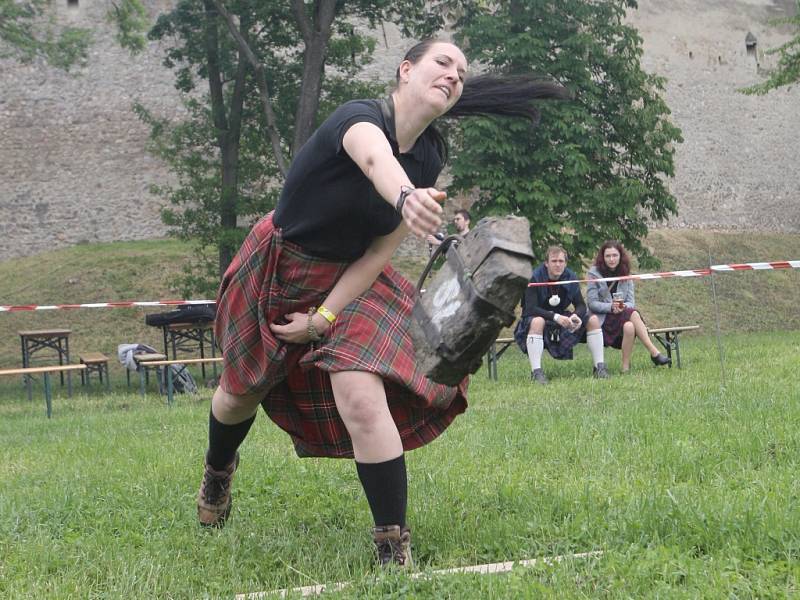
(142, 372)
(26, 360)
(491, 362)
(213, 352)
(161, 377)
(666, 342)
(48, 398)
(169, 386)
(69, 373)
(668, 347)
(676, 345)
(108, 379)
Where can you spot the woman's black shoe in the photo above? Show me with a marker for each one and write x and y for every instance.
(660, 360)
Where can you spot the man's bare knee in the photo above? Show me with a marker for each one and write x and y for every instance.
(536, 326)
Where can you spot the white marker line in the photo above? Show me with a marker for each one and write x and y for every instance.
(487, 569)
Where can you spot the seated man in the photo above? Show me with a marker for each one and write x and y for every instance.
(547, 323)
(461, 222)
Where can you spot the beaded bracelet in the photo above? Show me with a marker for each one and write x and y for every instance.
(312, 331)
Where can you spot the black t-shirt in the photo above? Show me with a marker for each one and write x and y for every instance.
(328, 206)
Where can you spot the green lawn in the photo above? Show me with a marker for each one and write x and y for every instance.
(685, 479)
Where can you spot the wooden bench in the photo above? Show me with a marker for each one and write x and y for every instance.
(95, 362)
(143, 363)
(496, 350)
(186, 361)
(27, 372)
(669, 338)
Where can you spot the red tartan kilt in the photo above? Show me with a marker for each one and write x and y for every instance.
(370, 334)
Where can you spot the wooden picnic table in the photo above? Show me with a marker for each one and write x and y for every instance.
(39, 340)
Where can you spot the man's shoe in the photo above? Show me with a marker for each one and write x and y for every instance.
(393, 545)
(600, 371)
(214, 499)
(537, 375)
(660, 360)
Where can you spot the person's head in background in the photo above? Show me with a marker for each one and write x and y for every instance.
(612, 259)
(461, 221)
(556, 262)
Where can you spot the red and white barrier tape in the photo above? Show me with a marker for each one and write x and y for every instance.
(24, 307)
(780, 264)
(757, 266)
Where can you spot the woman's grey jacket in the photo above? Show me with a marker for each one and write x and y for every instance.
(599, 297)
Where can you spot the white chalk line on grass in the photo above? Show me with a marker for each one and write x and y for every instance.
(487, 569)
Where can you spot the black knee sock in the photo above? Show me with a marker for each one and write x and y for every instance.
(386, 487)
(224, 440)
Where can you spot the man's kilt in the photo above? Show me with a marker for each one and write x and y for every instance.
(558, 342)
(271, 277)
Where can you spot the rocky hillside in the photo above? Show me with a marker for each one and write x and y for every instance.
(74, 168)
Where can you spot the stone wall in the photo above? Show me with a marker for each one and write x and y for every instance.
(72, 153)
(74, 168)
(737, 166)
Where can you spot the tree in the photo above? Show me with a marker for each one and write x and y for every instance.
(595, 167)
(27, 34)
(273, 70)
(788, 68)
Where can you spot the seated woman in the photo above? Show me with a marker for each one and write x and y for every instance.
(620, 321)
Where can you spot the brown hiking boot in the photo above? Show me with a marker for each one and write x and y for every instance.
(393, 545)
(214, 498)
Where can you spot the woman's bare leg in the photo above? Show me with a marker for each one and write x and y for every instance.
(361, 402)
(380, 462)
(628, 338)
(230, 409)
(228, 424)
(641, 333)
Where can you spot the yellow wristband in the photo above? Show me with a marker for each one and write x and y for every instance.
(328, 315)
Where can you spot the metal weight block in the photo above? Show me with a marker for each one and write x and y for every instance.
(471, 298)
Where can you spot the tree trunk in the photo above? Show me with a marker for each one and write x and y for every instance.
(316, 35)
(244, 49)
(228, 125)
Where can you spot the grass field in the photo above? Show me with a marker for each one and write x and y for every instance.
(685, 479)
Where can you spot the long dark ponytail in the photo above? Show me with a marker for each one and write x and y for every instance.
(506, 95)
(492, 94)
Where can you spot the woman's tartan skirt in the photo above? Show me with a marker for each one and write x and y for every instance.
(269, 278)
(612, 327)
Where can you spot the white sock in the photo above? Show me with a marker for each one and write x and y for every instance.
(535, 345)
(594, 339)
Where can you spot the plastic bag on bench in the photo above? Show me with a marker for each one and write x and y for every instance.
(125, 354)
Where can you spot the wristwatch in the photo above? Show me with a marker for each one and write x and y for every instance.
(405, 192)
